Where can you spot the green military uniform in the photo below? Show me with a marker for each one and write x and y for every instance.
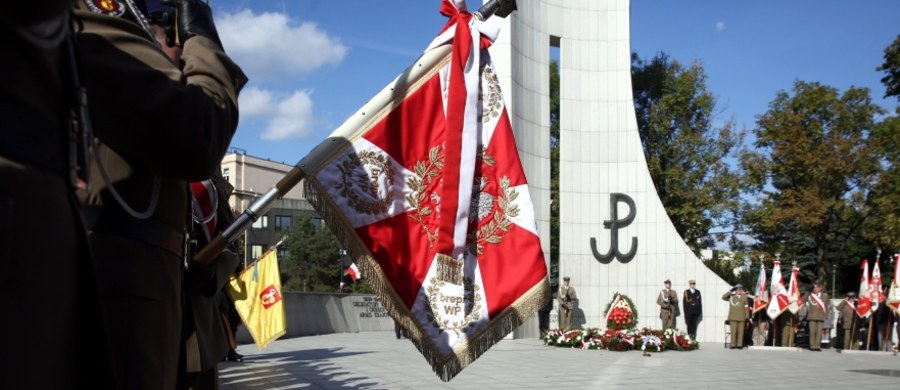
(667, 299)
(52, 325)
(207, 344)
(787, 321)
(567, 299)
(160, 126)
(848, 321)
(737, 316)
(818, 306)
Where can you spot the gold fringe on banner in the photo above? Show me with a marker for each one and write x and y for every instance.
(446, 366)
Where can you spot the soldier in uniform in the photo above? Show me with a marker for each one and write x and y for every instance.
(848, 321)
(738, 312)
(818, 306)
(693, 308)
(567, 298)
(172, 127)
(668, 305)
(52, 316)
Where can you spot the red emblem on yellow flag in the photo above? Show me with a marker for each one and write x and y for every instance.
(256, 293)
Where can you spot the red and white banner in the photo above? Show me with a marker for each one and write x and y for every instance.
(778, 294)
(353, 271)
(893, 298)
(864, 303)
(794, 291)
(875, 287)
(761, 295)
(424, 188)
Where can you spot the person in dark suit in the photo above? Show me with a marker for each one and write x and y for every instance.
(55, 337)
(693, 308)
(173, 126)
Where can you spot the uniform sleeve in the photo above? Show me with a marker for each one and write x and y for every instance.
(175, 123)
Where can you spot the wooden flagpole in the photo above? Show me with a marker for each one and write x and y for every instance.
(869, 332)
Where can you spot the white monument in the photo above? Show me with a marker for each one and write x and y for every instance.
(605, 186)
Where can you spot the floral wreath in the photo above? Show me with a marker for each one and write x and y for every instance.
(624, 315)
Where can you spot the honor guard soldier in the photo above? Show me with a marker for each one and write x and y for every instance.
(848, 321)
(818, 306)
(738, 312)
(52, 319)
(158, 126)
(567, 299)
(668, 305)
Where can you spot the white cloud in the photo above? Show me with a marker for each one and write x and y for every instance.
(286, 115)
(720, 25)
(271, 46)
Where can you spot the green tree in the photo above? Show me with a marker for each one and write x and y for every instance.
(554, 175)
(687, 155)
(810, 175)
(883, 226)
(313, 261)
(891, 69)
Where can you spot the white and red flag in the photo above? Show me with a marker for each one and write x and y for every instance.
(778, 294)
(794, 291)
(893, 298)
(761, 295)
(864, 303)
(424, 188)
(875, 287)
(353, 272)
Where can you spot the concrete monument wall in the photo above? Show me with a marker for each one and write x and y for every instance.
(603, 172)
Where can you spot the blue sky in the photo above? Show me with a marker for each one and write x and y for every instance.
(312, 63)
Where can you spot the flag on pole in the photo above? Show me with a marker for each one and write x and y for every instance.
(893, 298)
(864, 303)
(778, 294)
(353, 271)
(761, 295)
(794, 291)
(875, 287)
(256, 293)
(425, 190)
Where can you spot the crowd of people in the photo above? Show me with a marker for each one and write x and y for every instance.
(811, 326)
(816, 323)
(115, 107)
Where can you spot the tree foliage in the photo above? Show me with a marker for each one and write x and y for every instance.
(313, 261)
(891, 69)
(687, 155)
(554, 175)
(811, 175)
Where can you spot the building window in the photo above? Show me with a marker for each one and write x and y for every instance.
(318, 222)
(282, 253)
(256, 250)
(262, 222)
(226, 172)
(282, 222)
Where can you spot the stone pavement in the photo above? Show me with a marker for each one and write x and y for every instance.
(377, 360)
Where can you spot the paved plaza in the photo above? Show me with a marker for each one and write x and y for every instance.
(377, 360)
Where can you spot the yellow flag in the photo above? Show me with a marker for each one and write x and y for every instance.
(257, 296)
